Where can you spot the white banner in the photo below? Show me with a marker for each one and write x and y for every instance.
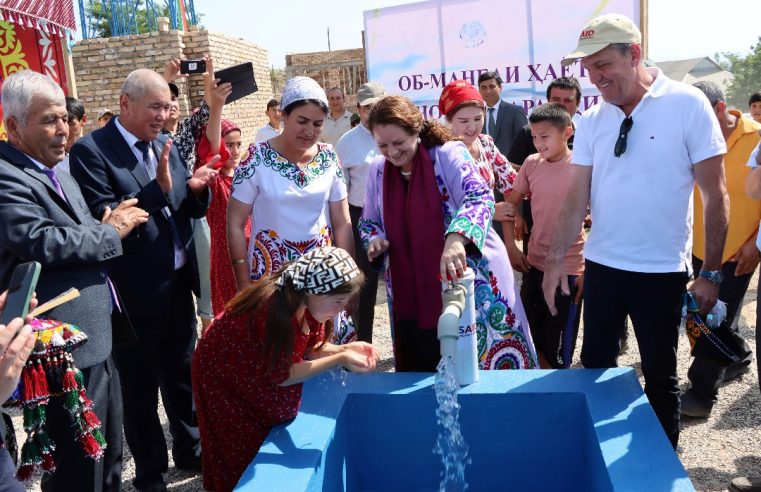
(416, 49)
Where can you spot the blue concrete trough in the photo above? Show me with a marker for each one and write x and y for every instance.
(572, 430)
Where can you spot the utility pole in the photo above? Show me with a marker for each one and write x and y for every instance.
(328, 38)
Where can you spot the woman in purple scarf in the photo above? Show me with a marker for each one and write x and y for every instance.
(427, 216)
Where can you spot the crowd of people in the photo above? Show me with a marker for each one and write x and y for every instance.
(278, 246)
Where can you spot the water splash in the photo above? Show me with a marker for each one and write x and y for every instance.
(449, 444)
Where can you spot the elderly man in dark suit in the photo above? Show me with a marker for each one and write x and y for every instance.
(44, 218)
(158, 271)
(503, 120)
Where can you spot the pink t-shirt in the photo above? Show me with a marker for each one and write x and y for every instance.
(548, 183)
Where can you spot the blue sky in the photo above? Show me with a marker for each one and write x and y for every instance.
(678, 28)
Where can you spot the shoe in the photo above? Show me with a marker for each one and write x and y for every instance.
(694, 406)
(735, 371)
(744, 484)
(189, 464)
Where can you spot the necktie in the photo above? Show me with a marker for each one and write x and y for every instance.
(54, 179)
(57, 185)
(143, 147)
(492, 123)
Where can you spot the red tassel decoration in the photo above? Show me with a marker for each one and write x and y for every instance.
(25, 472)
(92, 420)
(41, 382)
(48, 463)
(27, 380)
(90, 446)
(86, 402)
(70, 392)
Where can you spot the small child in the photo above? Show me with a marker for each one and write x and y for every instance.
(248, 368)
(546, 176)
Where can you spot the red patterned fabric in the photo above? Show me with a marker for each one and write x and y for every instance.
(237, 396)
(455, 93)
(222, 275)
(46, 15)
(25, 48)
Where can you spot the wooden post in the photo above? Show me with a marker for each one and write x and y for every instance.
(643, 13)
(68, 61)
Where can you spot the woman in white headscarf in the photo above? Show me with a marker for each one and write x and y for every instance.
(292, 187)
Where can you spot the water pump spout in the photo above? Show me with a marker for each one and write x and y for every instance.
(457, 328)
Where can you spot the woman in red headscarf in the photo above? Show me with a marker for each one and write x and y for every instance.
(463, 107)
(227, 136)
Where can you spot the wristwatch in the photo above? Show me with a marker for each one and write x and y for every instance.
(713, 276)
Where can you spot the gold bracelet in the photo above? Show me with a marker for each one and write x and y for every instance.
(239, 261)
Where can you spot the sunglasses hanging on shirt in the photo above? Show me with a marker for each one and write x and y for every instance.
(623, 132)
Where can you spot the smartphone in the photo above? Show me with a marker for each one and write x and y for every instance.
(20, 291)
(192, 66)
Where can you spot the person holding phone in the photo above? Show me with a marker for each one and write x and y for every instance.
(44, 218)
(16, 344)
(223, 139)
(185, 133)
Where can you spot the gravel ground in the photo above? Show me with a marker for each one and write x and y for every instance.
(713, 450)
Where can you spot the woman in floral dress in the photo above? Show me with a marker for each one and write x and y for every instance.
(427, 215)
(292, 187)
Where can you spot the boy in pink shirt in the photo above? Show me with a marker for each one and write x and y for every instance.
(546, 176)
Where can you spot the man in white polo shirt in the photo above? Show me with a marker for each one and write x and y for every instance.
(637, 157)
(356, 150)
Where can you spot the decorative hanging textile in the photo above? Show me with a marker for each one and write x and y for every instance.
(50, 377)
(57, 15)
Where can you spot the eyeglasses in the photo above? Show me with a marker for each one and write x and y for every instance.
(623, 132)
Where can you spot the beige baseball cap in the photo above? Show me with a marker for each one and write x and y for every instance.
(601, 32)
(370, 93)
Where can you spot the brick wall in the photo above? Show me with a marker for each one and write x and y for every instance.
(102, 64)
(340, 68)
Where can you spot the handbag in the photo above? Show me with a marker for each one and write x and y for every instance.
(712, 343)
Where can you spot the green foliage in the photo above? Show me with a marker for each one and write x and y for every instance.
(747, 72)
(132, 13)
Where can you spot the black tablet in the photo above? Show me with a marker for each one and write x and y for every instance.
(242, 78)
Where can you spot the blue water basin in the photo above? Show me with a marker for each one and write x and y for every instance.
(572, 430)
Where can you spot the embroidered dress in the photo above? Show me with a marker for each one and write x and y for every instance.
(504, 339)
(238, 397)
(493, 166)
(291, 210)
(222, 276)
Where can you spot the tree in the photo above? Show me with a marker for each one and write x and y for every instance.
(747, 72)
(277, 77)
(126, 13)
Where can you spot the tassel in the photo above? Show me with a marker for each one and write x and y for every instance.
(70, 392)
(25, 472)
(98, 436)
(27, 381)
(41, 382)
(29, 419)
(90, 446)
(48, 463)
(80, 378)
(44, 442)
(91, 419)
(86, 402)
(40, 416)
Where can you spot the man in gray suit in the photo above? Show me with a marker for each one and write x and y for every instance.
(503, 121)
(44, 218)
